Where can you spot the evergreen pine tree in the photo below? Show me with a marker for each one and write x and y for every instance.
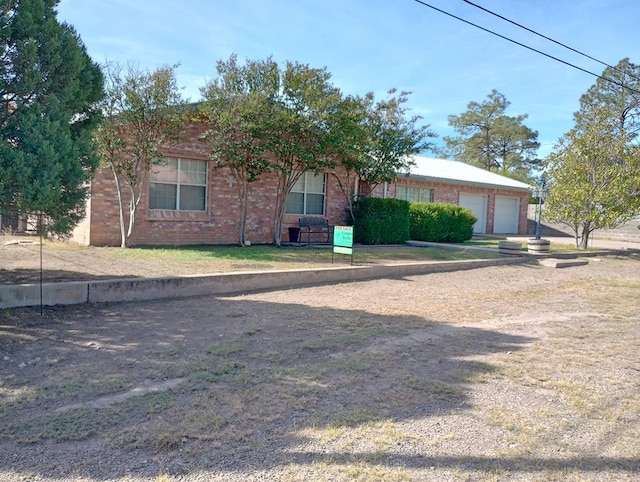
(49, 88)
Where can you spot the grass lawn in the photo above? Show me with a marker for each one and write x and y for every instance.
(306, 254)
(71, 262)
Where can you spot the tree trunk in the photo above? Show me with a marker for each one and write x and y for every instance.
(279, 219)
(348, 188)
(243, 194)
(136, 193)
(132, 215)
(123, 236)
(286, 181)
(133, 204)
(584, 239)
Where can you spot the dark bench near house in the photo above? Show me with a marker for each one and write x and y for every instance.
(312, 226)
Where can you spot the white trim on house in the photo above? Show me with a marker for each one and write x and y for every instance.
(454, 172)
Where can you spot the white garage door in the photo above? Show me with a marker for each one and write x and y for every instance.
(505, 218)
(478, 204)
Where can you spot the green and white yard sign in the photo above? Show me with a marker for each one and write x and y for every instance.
(343, 240)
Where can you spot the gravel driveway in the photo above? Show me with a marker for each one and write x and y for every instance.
(504, 373)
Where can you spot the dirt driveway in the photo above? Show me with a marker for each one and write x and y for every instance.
(504, 373)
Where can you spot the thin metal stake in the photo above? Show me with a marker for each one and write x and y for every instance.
(41, 241)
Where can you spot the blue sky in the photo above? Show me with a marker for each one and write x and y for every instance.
(374, 45)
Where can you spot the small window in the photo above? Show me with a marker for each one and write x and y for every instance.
(179, 184)
(307, 195)
(414, 194)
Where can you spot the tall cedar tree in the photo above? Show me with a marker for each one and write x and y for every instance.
(594, 172)
(492, 140)
(143, 110)
(49, 87)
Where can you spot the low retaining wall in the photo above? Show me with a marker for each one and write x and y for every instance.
(139, 289)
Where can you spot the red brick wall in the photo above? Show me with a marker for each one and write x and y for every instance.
(217, 225)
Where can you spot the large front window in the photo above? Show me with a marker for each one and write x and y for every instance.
(179, 184)
(414, 194)
(307, 195)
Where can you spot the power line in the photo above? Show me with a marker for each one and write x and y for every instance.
(549, 39)
(613, 81)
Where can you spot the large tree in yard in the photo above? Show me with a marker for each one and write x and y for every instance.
(48, 87)
(492, 140)
(594, 172)
(264, 118)
(298, 130)
(143, 110)
(236, 107)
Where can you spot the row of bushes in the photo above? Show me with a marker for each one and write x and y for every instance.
(393, 221)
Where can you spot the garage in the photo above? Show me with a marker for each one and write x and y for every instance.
(478, 204)
(497, 201)
(506, 215)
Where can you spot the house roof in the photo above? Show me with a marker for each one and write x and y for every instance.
(454, 172)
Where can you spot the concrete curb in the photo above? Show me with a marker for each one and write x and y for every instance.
(562, 263)
(138, 289)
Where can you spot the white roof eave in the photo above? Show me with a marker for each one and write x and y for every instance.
(453, 172)
(463, 182)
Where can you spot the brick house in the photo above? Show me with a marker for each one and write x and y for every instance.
(188, 201)
(499, 203)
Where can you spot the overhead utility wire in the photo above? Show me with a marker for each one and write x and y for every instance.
(550, 39)
(613, 81)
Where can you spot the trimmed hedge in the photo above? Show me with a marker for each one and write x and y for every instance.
(381, 221)
(440, 222)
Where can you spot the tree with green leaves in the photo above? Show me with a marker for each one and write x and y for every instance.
(143, 110)
(298, 133)
(376, 141)
(290, 121)
(594, 172)
(492, 140)
(617, 90)
(236, 107)
(49, 87)
(264, 118)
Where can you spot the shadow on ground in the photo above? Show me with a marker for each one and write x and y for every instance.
(261, 386)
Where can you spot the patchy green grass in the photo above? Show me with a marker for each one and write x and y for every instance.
(301, 254)
(223, 348)
(72, 262)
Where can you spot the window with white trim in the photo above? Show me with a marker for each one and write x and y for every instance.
(179, 185)
(414, 194)
(307, 195)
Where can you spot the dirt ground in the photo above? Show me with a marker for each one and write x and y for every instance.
(20, 262)
(513, 373)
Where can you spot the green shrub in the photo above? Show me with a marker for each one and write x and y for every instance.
(381, 221)
(440, 222)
